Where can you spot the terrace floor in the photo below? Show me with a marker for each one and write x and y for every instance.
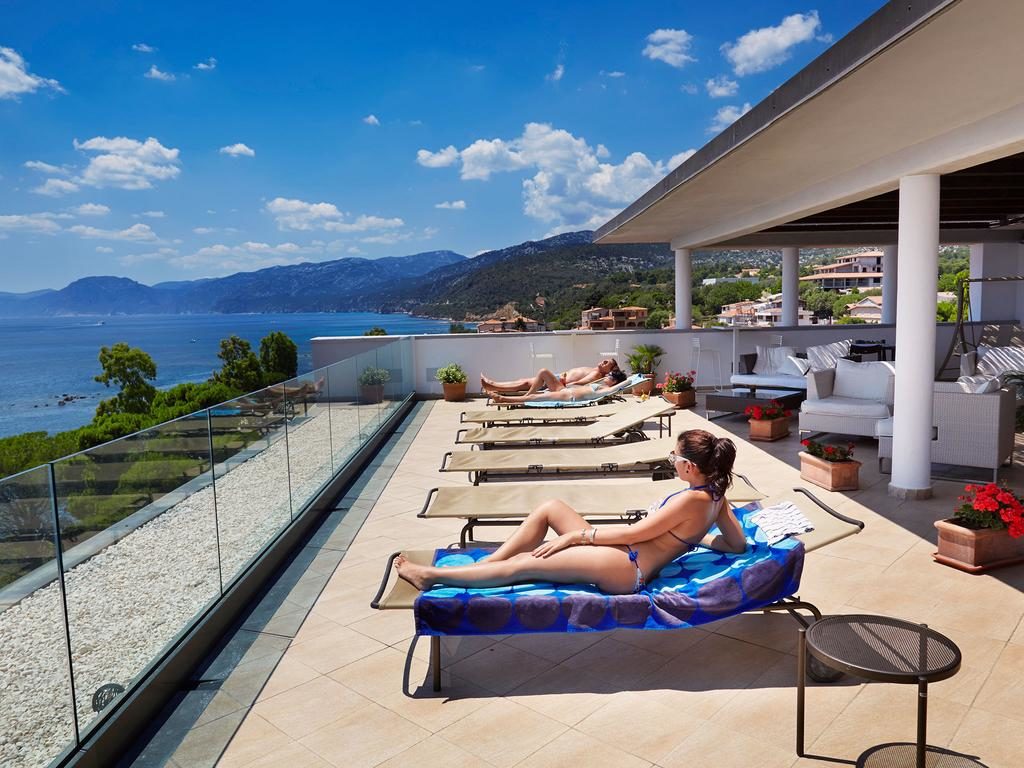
(722, 695)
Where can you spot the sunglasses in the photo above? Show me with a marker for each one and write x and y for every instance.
(674, 459)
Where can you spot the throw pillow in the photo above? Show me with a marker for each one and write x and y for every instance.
(979, 385)
(824, 356)
(865, 381)
(993, 361)
(797, 364)
(763, 366)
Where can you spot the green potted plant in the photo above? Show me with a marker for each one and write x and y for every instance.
(644, 359)
(985, 531)
(830, 466)
(371, 384)
(768, 422)
(678, 389)
(453, 380)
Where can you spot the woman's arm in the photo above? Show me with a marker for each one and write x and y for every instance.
(731, 538)
(592, 374)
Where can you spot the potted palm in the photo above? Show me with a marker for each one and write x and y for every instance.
(830, 466)
(453, 381)
(371, 384)
(644, 359)
(985, 531)
(768, 422)
(678, 389)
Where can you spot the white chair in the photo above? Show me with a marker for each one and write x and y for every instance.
(716, 359)
(614, 355)
(540, 360)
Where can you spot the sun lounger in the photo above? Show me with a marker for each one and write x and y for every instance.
(617, 390)
(520, 416)
(508, 504)
(697, 588)
(626, 426)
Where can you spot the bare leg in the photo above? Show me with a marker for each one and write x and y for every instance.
(516, 385)
(555, 515)
(562, 395)
(545, 379)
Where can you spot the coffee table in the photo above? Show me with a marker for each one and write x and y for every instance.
(739, 399)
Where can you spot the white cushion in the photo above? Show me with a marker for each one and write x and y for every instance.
(979, 385)
(883, 428)
(781, 380)
(771, 359)
(845, 406)
(795, 366)
(867, 381)
(993, 361)
(824, 356)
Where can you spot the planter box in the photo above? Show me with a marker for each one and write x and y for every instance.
(371, 393)
(685, 399)
(830, 475)
(644, 387)
(768, 430)
(454, 393)
(976, 551)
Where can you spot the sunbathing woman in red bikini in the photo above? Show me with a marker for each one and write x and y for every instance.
(551, 381)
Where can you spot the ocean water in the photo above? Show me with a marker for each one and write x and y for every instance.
(44, 359)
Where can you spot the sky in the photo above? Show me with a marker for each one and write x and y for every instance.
(178, 141)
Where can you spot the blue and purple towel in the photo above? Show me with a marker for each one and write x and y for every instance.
(699, 587)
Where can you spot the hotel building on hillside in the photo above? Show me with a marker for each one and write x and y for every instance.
(504, 325)
(857, 270)
(604, 319)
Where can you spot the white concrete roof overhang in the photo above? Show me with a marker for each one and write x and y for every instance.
(931, 86)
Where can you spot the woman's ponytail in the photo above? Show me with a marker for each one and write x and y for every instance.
(714, 457)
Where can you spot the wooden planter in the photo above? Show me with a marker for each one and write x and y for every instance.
(769, 430)
(371, 393)
(644, 387)
(976, 551)
(454, 393)
(830, 475)
(685, 399)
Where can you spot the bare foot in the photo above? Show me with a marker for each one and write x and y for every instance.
(413, 573)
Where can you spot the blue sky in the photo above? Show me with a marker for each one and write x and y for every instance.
(178, 141)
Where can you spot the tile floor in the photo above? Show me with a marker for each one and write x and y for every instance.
(352, 688)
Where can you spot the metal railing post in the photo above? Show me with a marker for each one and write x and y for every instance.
(59, 557)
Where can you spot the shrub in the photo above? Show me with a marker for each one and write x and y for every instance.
(376, 331)
(774, 410)
(678, 382)
(372, 376)
(644, 358)
(991, 506)
(451, 374)
(828, 452)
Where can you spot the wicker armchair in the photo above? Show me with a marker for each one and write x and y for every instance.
(823, 411)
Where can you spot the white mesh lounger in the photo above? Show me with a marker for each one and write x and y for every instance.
(518, 416)
(507, 504)
(626, 426)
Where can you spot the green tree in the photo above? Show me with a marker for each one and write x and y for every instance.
(819, 302)
(375, 331)
(657, 318)
(241, 369)
(520, 324)
(840, 303)
(131, 370)
(945, 311)
(279, 357)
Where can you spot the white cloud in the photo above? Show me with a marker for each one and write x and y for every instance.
(153, 214)
(38, 165)
(302, 216)
(56, 187)
(477, 67)
(153, 73)
(161, 254)
(613, 73)
(222, 258)
(204, 230)
(371, 120)
(571, 188)
(91, 209)
(127, 163)
(726, 116)
(761, 49)
(238, 150)
(104, 249)
(721, 87)
(440, 159)
(676, 160)
(39, 223)
(453, 205)
(136, 232)
(688, 88)
(15, 79)
(206, 66)
(671, 46)
(556, 75)
(143, 48)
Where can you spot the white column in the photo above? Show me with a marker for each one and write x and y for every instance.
(684, 289)
(918, 269)
(890, 281)
(790, 286)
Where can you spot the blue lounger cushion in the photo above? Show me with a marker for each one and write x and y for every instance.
(698, 587)
(622, 386)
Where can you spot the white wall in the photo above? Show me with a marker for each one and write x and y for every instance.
(992, 301)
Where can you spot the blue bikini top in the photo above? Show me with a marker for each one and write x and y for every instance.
(664, 501)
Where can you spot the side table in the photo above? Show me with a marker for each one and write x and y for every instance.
(878, 648)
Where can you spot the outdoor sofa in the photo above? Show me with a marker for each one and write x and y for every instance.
(849, 399)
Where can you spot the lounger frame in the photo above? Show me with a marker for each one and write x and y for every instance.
(656, 470)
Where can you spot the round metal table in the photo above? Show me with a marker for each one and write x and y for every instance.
(878, 648)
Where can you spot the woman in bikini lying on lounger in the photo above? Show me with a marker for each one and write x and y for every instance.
(570, 394)
(618, 559)
(552, 381)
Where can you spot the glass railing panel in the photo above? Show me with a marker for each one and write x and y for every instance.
(408, 369)
(309, 435)
(343, 392)
(388, 360)
(371, 379)
(138, 533)
(36, 716)
(251, 470)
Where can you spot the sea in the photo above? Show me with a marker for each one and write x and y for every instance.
(47, 360)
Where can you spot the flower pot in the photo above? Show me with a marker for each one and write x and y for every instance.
(371, 393)
(454, 393)
(830, 475)
(685, 399)
(976, 550)
(645, 387)
(768, 430)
